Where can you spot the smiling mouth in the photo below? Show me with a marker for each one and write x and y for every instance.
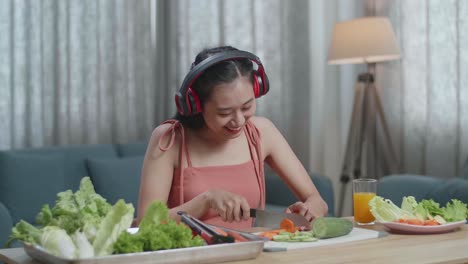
(234, 130)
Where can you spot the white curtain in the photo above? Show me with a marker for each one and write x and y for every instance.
(426, 92)
(74, 72)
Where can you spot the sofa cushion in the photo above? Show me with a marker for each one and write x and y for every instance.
(28, 182)
(395, 187)
(5, 225)
(455, 188)
(132, 149)
(464, 172)
(117, 178)
(74, 157)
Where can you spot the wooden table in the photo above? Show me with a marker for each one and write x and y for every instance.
(449, 247)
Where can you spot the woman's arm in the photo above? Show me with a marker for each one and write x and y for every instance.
(281, 158)
(157, 174)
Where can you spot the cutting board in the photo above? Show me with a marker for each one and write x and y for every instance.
(355, 235)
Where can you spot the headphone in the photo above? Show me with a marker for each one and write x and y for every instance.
(186, 99)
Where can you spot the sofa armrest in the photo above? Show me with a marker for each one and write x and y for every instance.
(6, 225)
(279, 196)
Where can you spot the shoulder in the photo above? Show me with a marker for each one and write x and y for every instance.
(263, 124)
(268, 131)
(164, 138)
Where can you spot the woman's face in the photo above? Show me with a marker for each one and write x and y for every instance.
(229, 108)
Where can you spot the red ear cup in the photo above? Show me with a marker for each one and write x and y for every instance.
(256, 86)
(193, 102)
(262, 81)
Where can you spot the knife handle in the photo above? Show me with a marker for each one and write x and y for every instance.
(253, 212)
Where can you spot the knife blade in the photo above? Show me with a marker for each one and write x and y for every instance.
(273, 219)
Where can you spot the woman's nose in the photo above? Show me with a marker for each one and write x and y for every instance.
(239, 118)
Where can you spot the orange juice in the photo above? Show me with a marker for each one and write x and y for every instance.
(362, 213)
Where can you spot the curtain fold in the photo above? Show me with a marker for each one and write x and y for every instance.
(425, 93)
(75, 72)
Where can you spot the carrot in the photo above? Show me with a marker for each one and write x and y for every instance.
(415, 222)
(271, 233)
(219, 230)
(288, 225)
(237, 237)
(431, 222)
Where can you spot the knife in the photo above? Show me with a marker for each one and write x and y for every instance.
(273, 219)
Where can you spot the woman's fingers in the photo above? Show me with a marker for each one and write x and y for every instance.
(230, 207)
(245, 210)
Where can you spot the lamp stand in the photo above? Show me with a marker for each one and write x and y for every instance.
(361, 147)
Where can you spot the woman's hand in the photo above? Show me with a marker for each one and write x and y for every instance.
(228, 205)
(312, 208)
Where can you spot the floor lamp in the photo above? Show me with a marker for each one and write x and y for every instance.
(365, 40)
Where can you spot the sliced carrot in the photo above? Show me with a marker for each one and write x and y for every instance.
(431, 222)
(288, 225)
(268, 235)
(271, 233)
(219, 230)
(415, 222)
(237, 237)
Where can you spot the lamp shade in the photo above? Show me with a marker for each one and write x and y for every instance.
(363, 40)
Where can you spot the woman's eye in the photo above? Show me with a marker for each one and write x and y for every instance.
(247, 108)
(224, 114)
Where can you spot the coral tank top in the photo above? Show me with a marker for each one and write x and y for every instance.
(246, 179)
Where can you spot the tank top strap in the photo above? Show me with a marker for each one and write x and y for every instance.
(253, 138)
(177, 126)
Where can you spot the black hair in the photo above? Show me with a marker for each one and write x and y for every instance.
(222, 72)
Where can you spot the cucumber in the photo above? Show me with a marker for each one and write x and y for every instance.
(327, 227)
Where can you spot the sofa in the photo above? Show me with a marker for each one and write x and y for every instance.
(30, 178)
(395, 187)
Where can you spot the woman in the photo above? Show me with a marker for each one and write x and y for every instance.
(209, 160)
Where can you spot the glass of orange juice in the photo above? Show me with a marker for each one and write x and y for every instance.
(363, 191)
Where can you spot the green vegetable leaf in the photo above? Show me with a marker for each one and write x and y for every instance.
(408, 204)
(455, 210)
(25, 232)
(84, 248)
(57, 242)
(156, 214)
(128, 243)
(385, 210)
(432, 208)
(114, 223)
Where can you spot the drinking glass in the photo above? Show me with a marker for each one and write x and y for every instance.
(363, 191)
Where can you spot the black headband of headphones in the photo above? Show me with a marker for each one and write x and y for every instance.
(196, 71)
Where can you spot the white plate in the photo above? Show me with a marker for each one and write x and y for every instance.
(416, 229)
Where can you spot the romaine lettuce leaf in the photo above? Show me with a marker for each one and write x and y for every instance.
(408, 204)
(385, 210)
(57, 242)
(118, 219)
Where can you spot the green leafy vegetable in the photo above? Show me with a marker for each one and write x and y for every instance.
(385, 210)
(56, 241)
(114, 223)
(157, 231)
(455, 210)
(79, 225)
(408, 204)
(25, 232)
